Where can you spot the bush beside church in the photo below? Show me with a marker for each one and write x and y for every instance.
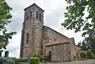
(87, 54)
(32, 60)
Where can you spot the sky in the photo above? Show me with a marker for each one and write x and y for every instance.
(53, 17)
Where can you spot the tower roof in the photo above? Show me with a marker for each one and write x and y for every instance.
(34, 5)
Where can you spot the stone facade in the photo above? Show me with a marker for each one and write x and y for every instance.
(32, 31)
(59, 52)
(42, 40)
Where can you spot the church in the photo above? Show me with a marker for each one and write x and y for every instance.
(38, 39)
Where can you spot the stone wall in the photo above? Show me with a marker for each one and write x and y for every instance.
(74, 52)
(59, 53)
(50, 35)
(33, 27)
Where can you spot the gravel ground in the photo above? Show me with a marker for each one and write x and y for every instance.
(87, 61)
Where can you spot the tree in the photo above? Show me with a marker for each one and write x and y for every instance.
(90, 53)
(5, 18)
(76, 12)
(83, 54)
(80, 16)
(91, 42)
(85, 45)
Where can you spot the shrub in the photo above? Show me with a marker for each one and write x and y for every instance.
(2, 60)
(90, 54)
(37, 57)
(34, 60)
(22, 59)
(87, 54)
(83, 54)
(15, 59)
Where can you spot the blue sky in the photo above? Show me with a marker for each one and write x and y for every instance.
(53, 17)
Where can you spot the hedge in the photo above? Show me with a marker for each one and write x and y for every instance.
(87, 54)
(33, 60)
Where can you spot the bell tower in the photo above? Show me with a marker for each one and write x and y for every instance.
(31, 39)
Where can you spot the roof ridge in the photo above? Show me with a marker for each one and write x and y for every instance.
(33, 5)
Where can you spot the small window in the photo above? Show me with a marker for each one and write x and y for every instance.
(27, 17)
(26, 51)
(54, 39)
(40, 17)
(27, 37)
(30, 14)
(37, 15)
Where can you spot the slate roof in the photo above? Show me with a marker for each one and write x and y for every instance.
(34, 5)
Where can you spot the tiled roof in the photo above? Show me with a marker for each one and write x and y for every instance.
(57, 42)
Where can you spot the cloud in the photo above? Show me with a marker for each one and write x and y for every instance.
(53, 17)
(14, 45)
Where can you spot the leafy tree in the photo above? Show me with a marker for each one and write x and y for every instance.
(87, 54)
(75, 15)
(5, 18)
(80, 16)
(85, 46)
(83, 54)
(91, 43)
(90, 53)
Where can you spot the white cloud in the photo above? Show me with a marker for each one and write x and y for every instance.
(54, 11)
(14, 46)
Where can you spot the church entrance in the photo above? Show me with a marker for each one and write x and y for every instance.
(49, 56)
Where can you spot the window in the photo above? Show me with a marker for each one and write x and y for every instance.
(40, 17)
(27, 17)
(27, 37)
(26, 51)
(37, 15)
(54, 39)
(30, 14)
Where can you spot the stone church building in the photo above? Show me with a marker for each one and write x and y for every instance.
(43, 40)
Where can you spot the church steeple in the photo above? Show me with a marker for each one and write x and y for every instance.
(34, 12)
(34, 4)
(31, 41)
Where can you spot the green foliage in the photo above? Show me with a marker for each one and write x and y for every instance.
(90, 54)
(34, 60)
(15, 59)
(22, 59)
(80, 16)
(83, 54)
(75, 15)
(5, 18)
(91, 42)
(85, 46)
(37, 57)
(87, 54)
(2, 60)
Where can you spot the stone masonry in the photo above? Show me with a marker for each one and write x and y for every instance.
(44, 41)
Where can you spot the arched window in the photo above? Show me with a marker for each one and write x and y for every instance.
(27, 37)
(26, 51)
(30, 14)
(27, 17)
(37, 15)
(40, 17)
